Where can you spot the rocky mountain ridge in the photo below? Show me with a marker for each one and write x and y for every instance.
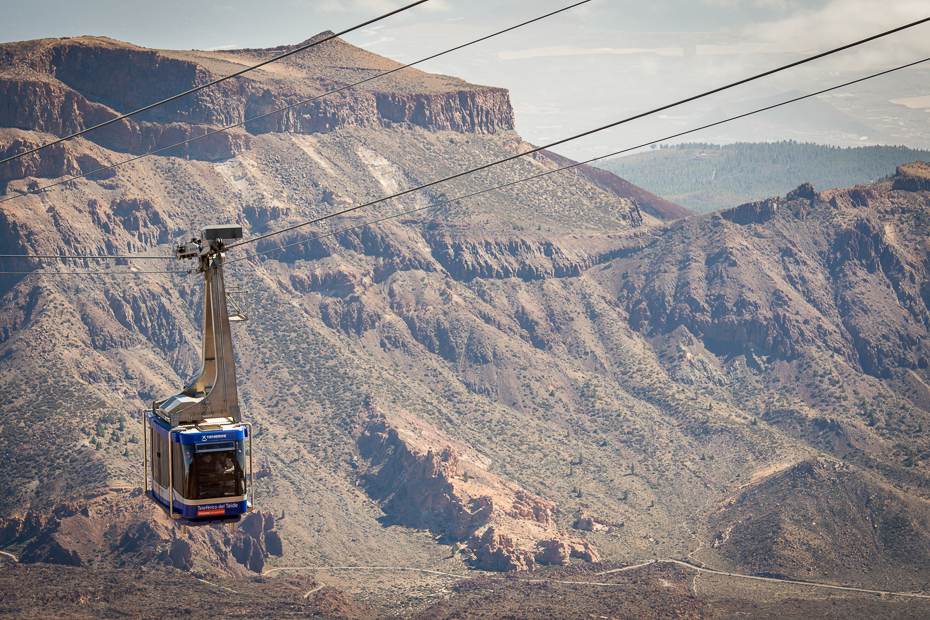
(61, 86)
(618, 382)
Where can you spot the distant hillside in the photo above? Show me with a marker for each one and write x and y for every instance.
(554, 371)
(707, 177)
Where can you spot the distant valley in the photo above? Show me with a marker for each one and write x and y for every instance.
(707, 177)
(550, 381)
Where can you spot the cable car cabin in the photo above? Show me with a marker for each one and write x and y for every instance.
(208, 467)
(196, 456)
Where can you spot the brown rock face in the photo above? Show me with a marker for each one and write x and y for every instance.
(496, 551)
(418, 489)
(752, 213)
(56, 86)
(559, 550)
(913, 177)
(506, 527)
(37, 103)
(255, 539)
(181, 554)
(733, 289)
(120, 527)
(23, 527)
(845, 521)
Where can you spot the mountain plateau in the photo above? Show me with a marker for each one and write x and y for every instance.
(564, 370)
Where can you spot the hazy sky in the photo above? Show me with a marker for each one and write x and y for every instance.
(586, 67)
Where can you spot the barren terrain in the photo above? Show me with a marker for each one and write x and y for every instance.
(542, 378)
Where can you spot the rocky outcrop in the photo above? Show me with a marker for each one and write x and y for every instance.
(255, 539)
(752, 212)
(496, 551)
(804, 191)
(525, 257)
(181, 554)
(62, 86)
(560, 549)
(264, 469)
(589, 523)
(116, 528)
(912, 177)
(418, 489)
(506, 528)
(21, 527)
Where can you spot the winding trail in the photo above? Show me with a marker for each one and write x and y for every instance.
(632, 567)
(15, 559)
(316, 589)
(210, 583)
(397, 568)
(769, 579)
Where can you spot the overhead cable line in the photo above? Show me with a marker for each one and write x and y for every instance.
(216, 81)
(90, 273)
(575, 165)
(79, 256)
(287, 107)
(503, 185)
(564, 140)
(590, 131)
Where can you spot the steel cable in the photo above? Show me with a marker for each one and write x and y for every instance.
(214, 82)
(283, 109)
(590, 131)
(577, 164)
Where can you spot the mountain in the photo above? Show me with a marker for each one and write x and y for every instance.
(569, 370)
(707, 177)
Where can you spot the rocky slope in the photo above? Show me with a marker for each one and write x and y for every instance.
(585, 357)
(498, 524)
(60, 86)
(106, 331)
(105, 529)
(825, 519)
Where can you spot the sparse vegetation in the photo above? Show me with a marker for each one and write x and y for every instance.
(623, 355)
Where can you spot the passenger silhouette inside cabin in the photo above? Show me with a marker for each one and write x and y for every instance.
(214, 474)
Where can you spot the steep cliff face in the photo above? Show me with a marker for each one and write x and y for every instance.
(60, 86)
(502, 526)
(42, 103)
(824, 269)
